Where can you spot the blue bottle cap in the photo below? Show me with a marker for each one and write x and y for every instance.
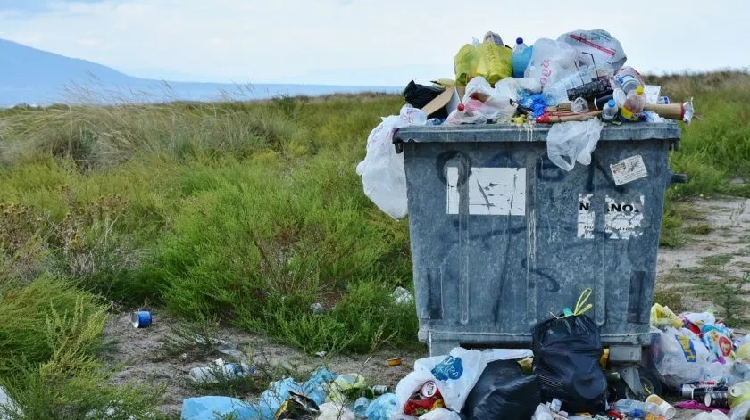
(611, 103)
(519, 40)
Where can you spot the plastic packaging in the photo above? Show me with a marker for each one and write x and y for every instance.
(579, 105)
(717, 340)
(596, 45)
(739, 393)
(382, 170)
(634, 104)
(628, 79)
(520, 57)
(218, 373)
(344, 386)
(572, 141)
(503, 392)
(551, 62)
(566, 361)
(610, 110)
(631, 407)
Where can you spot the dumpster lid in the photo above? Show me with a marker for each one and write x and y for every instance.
(498, 133)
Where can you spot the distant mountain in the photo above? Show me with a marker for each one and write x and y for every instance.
(29, 75)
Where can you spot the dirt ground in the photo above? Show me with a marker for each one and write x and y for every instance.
(723, 230)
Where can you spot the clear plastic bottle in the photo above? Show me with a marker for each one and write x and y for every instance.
(520, 57)
(633, 105)
(610, 110)
(636, 408)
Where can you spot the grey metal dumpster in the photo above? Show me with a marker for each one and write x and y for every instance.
(502, 238)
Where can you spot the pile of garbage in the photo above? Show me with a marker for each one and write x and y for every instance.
(577, 82)
(561, 377)
(698, 356)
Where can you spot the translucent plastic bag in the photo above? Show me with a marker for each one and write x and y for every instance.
(551, 61)
(382, 170)
(572, 141)
(494, 104)
(597, 43)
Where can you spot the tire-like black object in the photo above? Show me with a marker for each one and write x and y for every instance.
(650, 382)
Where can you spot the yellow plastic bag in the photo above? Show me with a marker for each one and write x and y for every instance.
(488, 60)
(662, 316)
(465, 64)
(494, 62)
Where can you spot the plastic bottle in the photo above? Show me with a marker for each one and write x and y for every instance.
(633, 105)
(638, 409)
(520, 57)
(610, 110)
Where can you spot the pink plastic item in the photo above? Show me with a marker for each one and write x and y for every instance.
(695, 405)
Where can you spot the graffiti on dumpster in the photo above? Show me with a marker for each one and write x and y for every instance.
(491, 191)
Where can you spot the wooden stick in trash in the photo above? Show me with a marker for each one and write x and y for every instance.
(546, 118)
(668, 111)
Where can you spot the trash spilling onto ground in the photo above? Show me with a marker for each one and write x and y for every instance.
(578, 82)
(567, 374)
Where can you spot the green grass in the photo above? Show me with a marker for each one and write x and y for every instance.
(237, 213)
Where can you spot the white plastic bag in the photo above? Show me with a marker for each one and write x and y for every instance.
(382, 170)
(680, 358)
(597, 43)
(497, 105)
(331, 411)
(441, 414)
(573, 141)
(551, 61)
(455, 376)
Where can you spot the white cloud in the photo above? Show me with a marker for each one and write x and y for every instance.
(366, 42)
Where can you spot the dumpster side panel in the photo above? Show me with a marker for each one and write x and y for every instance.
(502, 238)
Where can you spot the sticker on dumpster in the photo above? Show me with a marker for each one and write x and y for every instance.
(628, 170)
(586, 217)
(492, 191)
(623, 219)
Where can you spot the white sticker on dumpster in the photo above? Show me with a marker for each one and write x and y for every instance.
(628, 170)
(586, 217)
(623, 219)
(492, 191)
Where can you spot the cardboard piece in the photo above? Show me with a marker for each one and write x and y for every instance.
(448, 99)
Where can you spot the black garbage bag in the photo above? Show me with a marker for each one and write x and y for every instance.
(502, 392)
(419, 96)
(567, 352)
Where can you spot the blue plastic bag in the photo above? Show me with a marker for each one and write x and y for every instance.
(383, 407)
(209, 408)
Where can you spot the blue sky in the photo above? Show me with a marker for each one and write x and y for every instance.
(359, 42)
